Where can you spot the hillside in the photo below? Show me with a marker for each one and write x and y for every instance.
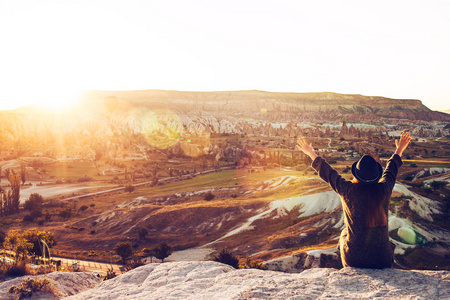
(262, 215)
(325, 106)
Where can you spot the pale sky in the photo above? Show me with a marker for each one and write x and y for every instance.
(53, 49)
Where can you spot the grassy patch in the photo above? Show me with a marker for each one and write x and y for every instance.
(73, 170)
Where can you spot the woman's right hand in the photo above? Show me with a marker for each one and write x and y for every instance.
(306, 148)
(402, 143)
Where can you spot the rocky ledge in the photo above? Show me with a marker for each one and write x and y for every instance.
(63, 284)
(212, 280)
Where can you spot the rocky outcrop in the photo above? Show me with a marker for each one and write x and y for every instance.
(63, 284)
(212, 280)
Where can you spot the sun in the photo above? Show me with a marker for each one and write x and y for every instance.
(58, 100)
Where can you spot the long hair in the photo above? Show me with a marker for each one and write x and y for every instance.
(373, 198)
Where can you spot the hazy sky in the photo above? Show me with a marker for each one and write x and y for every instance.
(52, 50)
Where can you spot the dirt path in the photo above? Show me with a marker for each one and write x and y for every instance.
(50, 191)
(193, 254)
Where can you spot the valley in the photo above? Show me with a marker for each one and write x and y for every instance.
(222, 174)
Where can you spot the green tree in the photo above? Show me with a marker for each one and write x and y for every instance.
(2, 237)
(10, 199)
(142, 233)
(36, 237)
(23, 173)
(14, 180)
(22, 248)
(124, 250)
(2, 199)
(161, 251)
(34, 202)
(155, 176)
(17, 243)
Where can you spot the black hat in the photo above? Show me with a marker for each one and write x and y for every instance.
(367, 170)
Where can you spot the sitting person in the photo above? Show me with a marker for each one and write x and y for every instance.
(364, 242)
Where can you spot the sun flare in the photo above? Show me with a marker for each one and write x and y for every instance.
(58, 100)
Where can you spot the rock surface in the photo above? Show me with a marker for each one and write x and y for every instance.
(64, 284)
(212, 280)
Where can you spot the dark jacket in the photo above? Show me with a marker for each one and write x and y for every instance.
(360, 245)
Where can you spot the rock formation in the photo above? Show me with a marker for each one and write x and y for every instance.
(212, 280)
(307, 107)
(63, 283)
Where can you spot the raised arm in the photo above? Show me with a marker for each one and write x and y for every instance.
(402, 143)
(394, 163)
(306, 148)
(326, 172)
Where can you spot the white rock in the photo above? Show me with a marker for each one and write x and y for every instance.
(64, 283)
(212, 280)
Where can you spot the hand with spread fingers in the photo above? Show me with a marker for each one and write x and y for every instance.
(306, 148)
(402, 143)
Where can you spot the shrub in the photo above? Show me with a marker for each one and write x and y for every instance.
(427, 190)
(110, 274)
(133, 264)
(437, 184)
(36, 214)
(16, 269)
(209, 196)
(65, 213)
(83, 208)
(36, 163)
(129, 188)
(29, 286)
(28, 218)
(85, 178)
(409, 177)
(34, 202)
(228, 258)
(2, 236)
(249, 264)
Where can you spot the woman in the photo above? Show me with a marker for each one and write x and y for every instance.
(364, 242)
